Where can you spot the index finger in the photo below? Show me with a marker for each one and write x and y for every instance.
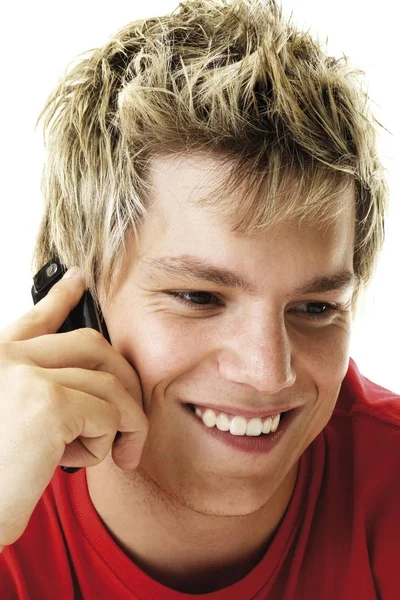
(48, 314)
(82, 348)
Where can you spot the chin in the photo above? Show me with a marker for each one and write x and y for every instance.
(219, 510)
(228, 499)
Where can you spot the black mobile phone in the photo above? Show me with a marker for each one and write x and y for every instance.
(85, 314)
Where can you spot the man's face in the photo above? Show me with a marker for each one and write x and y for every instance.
(263, 348)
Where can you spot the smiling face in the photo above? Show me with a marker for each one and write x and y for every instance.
(251, 330)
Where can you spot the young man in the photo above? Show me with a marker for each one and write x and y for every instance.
(214, 176)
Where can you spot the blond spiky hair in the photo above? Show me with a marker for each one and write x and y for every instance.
(233, 80)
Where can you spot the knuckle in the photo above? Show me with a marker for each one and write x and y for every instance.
(18, 379)
(102, 450)
(90, 335)
(52, 393)
(112, 412)
(21, 371)
(116, 414)
(7, 351)
(21, 374)
(93, 333)
(109, 380)
(69, 430)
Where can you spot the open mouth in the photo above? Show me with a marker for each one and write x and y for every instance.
(240, 425)
(233, 431)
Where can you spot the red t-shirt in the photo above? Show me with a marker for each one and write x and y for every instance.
(339, 538)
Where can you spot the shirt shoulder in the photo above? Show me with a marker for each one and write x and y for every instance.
(360, 396)
(363, 462)
(363, 433)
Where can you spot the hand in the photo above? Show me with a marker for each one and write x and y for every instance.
(63, 398)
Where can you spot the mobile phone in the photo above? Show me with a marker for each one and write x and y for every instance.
(85, 314)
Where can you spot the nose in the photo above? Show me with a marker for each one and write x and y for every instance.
(259, 355)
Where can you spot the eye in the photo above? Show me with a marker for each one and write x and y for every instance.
(314, 311)
(196, 300)
(319, 311)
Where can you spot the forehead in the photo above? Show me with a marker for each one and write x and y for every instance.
(178, 186)
(274, 264)
(180, 219)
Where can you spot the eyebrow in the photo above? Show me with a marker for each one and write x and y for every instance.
(194, 268)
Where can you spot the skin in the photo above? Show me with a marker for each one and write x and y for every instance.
(253, 350)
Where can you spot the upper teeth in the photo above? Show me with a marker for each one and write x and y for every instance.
(238, 425)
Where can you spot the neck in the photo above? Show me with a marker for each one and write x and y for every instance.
(205, 552)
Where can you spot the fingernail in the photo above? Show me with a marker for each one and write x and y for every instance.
(72, 272)
(71, 469)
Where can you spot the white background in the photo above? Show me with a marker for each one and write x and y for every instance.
(38, 39)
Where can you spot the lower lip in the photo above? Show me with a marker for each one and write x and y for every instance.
(260, 444)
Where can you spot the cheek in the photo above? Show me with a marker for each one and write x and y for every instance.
(321, 363)
(333, 361)
(328, 364)
(159, 351)
(325, 354)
